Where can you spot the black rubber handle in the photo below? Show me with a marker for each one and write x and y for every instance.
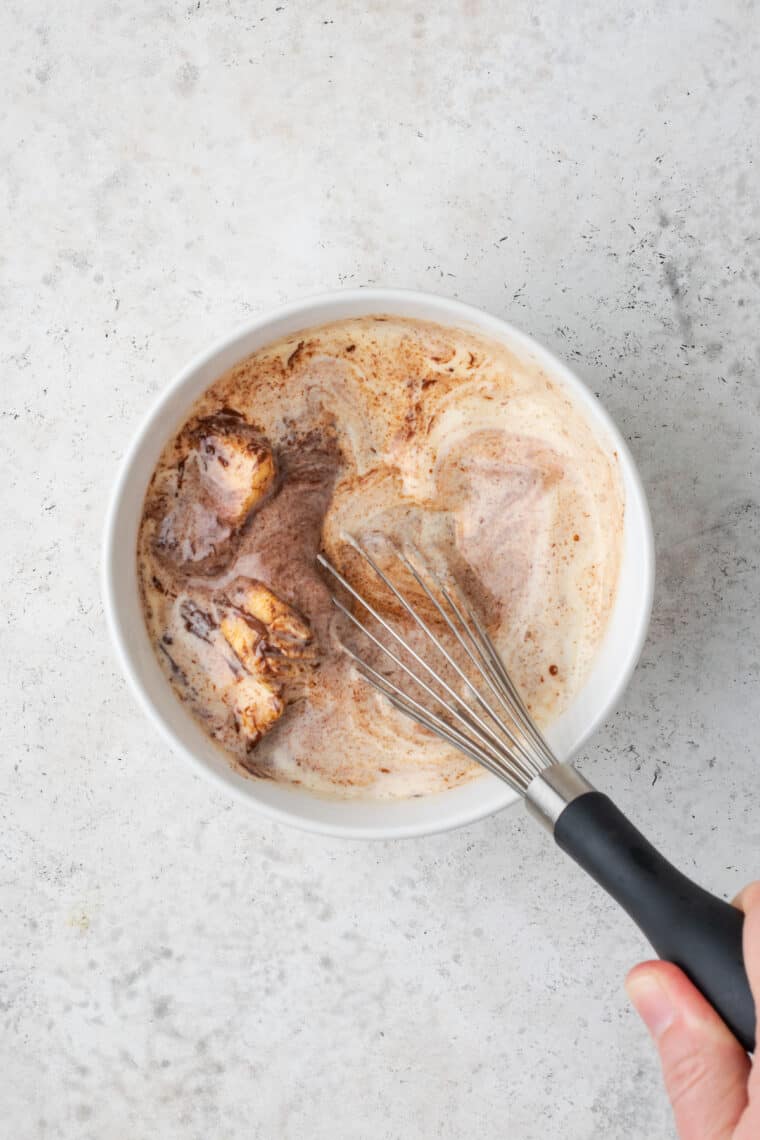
(685, 924)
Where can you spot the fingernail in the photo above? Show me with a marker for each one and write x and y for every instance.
(652, 1002)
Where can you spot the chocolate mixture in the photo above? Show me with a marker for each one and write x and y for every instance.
(366, 427)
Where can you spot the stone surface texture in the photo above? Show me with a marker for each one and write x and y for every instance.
(173, 967)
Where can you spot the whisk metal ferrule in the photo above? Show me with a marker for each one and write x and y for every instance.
(549, 793)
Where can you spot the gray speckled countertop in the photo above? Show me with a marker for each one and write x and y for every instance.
(171, 965)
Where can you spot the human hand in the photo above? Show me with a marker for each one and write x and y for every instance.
(712, 1084)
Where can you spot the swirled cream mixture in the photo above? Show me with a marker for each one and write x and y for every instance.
(374, 425)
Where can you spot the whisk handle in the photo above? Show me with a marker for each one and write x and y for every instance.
(684, 923)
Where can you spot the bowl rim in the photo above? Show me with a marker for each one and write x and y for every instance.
(379, 299)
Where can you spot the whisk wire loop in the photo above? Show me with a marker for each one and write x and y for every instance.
(440, 647)
(532, 746)
(507, 744)
(463, 714)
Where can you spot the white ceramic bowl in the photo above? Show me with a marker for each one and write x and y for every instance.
(379, 819)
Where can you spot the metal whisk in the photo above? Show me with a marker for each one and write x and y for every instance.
(467, 698)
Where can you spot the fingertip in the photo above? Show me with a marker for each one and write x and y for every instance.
(748, 897)
(748, 901)
(750, 904)
(662, 994)
(640, 969)
(638, 978)
(665, 973)
(649, 990)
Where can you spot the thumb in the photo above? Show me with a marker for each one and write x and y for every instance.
(704, 1066)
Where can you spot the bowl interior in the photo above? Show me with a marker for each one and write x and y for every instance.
(610, 672)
